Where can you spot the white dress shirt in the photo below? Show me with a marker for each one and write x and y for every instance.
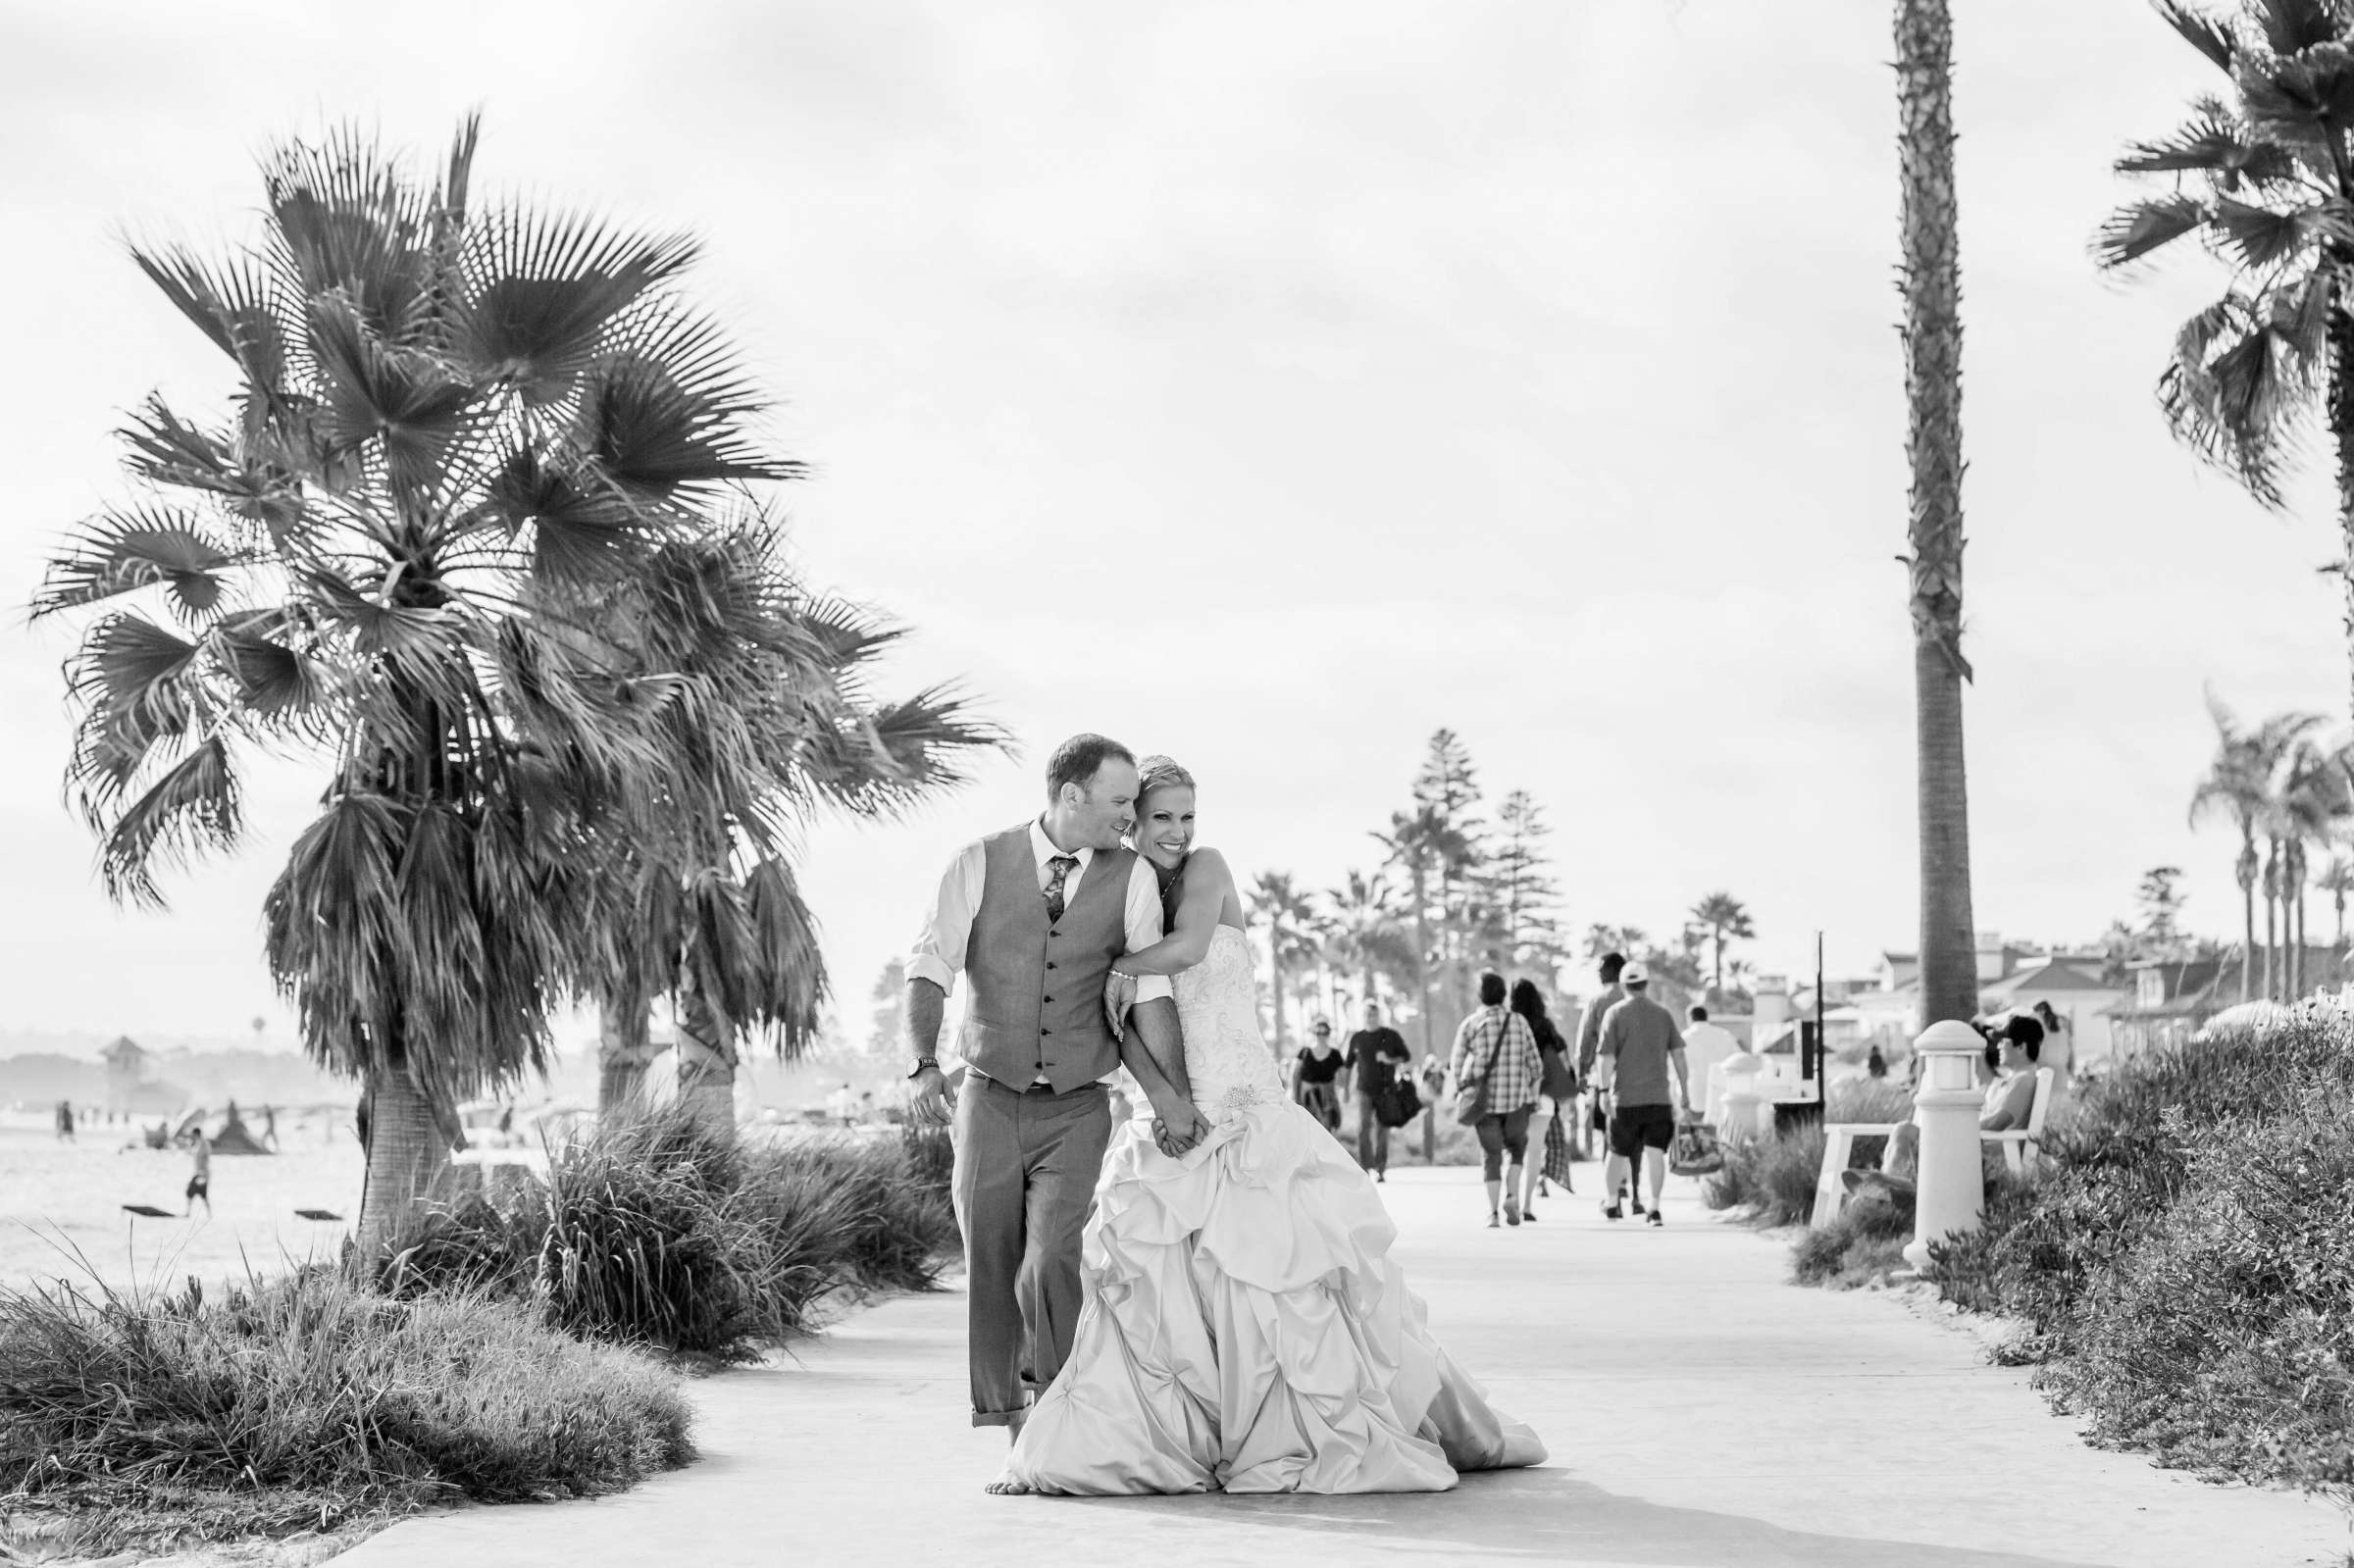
(948, 930)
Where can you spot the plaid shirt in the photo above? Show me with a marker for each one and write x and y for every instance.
(1518, 1073)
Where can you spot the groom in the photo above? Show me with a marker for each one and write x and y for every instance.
(1034, 916)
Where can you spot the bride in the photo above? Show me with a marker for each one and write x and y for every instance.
(1244, 1327)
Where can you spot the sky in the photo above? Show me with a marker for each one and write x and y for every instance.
(1271, 386)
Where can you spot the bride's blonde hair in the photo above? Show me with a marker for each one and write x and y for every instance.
(1159, 773)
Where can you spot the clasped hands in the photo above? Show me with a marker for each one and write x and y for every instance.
(1177, 1128)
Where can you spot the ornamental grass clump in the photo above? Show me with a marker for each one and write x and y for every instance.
(1771, 1177)
(146, 1418)
(661, 1233)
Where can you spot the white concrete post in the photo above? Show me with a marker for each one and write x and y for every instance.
(1741, 1100)
(1952, 1192)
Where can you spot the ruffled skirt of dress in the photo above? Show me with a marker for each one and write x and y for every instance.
(1244, 1329)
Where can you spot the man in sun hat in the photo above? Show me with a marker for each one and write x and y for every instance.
(1639, 1063)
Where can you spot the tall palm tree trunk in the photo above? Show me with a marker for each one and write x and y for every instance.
(408, 1151)
(1422, 954)
(623, 1047)
(2272, 927)
(1932, 284)
(2341, 430)
(2247, 913)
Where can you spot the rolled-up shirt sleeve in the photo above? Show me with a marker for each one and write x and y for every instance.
(938, 954)
(1144, 927)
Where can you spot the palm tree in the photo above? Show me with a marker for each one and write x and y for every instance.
(2240, 787)
(1932, 284)
(765, 702)
(2311, 800)
(2264, 178)
(1286, 913)
(1363, 925)
(1725, 919)
(2337, 879)
(456, 425)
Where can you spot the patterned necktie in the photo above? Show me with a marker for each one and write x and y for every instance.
(1060, 866)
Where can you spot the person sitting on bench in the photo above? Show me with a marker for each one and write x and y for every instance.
(2012, 1048)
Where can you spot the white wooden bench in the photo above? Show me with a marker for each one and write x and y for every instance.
(534, 1160)
(1839, 1147)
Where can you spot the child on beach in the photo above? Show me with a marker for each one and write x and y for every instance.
(200, 1178)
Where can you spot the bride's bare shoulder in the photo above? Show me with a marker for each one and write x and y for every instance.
(1210, 866)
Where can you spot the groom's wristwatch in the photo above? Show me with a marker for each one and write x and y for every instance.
(921, 1063)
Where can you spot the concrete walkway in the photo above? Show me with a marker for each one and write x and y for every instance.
(1699, 1411)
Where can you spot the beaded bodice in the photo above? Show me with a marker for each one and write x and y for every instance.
(1226, 1058)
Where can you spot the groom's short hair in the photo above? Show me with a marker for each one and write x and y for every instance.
(1079, 759)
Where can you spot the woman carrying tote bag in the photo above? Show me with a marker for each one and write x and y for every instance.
(1496, 1074)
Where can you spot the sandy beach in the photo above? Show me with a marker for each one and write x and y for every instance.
(57, 1199)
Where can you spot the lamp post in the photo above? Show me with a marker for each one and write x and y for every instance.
(1953, 1191)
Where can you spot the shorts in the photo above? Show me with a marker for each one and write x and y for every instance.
(199, 1187)
(1635, 1128)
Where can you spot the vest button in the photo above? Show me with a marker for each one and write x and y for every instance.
(1050, 998)
(1046, 1032)
(1050, 963)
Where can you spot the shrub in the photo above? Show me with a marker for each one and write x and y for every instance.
(1867, 1241)
(307, 1402)
(1772, 1177)
(2184, 1261)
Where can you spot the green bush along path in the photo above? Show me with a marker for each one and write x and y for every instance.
(1699, 1411)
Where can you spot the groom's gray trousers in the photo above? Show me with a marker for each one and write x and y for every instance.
(1026, 1168)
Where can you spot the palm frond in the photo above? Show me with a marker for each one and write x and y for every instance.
(2213, 144)
(193, 808)
(2307, 99)
(2140, 227)
(233, 303)
(2263, 236)
(371, 392)
(2292, 26)
(124, 552)
(655, 435)
(345, 219)
(548, 288)
(2202, 32)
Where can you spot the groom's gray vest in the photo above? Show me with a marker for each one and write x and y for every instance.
(1036, 1007)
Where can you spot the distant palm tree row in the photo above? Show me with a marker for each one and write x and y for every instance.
(1454, 893)
(2288, 795)
(480, 533)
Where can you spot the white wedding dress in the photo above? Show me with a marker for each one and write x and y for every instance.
(1245, 1328)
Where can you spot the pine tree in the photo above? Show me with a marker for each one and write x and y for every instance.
(1520, 885)
(1447, 790)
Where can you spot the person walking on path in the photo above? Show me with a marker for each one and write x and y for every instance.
(1639, 1051)
(1557, 1089)
(1033, 916)
(1315, 1076)
(200, 1176)
(1376, 1052)
(65, 1121)
(1589, 1041)
(1495, 1050)
(1706, 1047)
